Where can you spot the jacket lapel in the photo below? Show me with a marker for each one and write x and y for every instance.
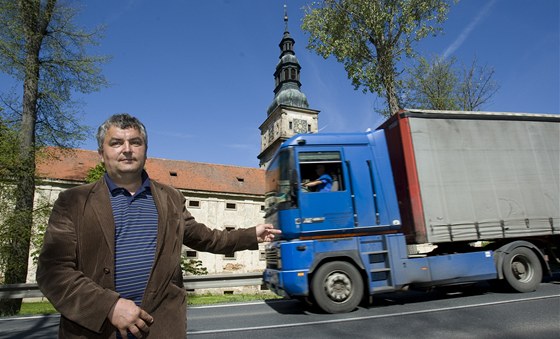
(101, 204)
(160, 199)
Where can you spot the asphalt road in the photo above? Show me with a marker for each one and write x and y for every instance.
(475, 312)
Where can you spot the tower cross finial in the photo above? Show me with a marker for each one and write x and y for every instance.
(285, 18)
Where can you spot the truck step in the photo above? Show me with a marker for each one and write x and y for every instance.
(377, 270)
(376, 252)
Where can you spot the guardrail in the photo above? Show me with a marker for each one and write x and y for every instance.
(17, 291)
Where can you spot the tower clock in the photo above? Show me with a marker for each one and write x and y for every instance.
(300, 126)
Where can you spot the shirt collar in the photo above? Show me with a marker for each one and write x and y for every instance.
(144, 187)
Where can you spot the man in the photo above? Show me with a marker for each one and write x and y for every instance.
(323, 183)
(110, 261)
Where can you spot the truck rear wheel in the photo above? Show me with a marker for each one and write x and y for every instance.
(522, 269)
(337, 287)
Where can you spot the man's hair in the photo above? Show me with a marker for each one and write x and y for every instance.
(122, 121)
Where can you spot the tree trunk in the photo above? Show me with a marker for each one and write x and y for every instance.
(386, 64)
(392, 98)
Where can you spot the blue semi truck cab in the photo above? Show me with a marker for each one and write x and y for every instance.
(374, 232)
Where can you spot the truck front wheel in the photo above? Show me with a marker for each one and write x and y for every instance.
(337, 287)
(522, 269)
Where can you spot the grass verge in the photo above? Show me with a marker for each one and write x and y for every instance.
(35, 308)
(210, 299)
(45, 307)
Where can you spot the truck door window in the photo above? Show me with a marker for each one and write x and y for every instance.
(320, 171)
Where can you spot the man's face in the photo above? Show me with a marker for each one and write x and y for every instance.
(124, 152)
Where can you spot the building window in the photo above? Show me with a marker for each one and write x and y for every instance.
(262, 255)
(229, 255)
(230, 206)
(191, 254)
(194, 203)
(262, 208)
(290, 125)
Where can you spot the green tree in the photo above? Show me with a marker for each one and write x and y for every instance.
(477, 86)
(95, 173)
(41, 216)
(193, 266)
(8, 165)
(440, 85)
(432, 85)
(371, 36)
(8, 152)
(41, 47)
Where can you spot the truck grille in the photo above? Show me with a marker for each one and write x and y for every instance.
(272, 258)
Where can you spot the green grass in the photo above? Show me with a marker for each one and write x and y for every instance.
(45, 307)
(34, 308)
(209, 299)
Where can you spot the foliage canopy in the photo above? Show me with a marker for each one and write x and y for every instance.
(371, 36)
(39, 39)
(439, 85)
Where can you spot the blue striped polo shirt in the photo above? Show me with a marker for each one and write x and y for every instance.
(136, 224)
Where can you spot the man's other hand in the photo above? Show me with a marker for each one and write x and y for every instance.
(125, 315)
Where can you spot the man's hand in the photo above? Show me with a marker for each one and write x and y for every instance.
(125, 315)
(266, 232)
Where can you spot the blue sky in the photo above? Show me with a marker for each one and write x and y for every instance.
(199, 74)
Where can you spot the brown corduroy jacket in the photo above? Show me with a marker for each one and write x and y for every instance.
(76, 264)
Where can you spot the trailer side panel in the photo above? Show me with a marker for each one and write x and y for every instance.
(482, 178)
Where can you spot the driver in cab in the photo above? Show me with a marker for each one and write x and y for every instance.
(322, 184)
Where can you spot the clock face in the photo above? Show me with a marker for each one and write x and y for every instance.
(300, 126)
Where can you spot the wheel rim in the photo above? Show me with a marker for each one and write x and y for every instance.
(521, 268)
(338, 286)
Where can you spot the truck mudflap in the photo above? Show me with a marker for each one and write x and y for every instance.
(287, 283)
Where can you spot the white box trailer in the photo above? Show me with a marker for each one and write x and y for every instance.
(468, 176)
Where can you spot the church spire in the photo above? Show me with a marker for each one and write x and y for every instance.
(285, 18)
(289, 113)
(287, 90)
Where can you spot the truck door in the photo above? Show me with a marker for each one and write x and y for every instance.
(326, 206)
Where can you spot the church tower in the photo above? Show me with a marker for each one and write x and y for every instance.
(289, 113)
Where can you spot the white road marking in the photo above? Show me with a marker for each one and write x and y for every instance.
(361, 318)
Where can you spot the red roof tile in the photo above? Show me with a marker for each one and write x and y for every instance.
(74, 164)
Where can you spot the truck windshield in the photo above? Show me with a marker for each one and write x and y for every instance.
(281, 181)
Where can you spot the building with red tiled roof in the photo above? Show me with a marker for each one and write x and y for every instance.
(72, 165)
